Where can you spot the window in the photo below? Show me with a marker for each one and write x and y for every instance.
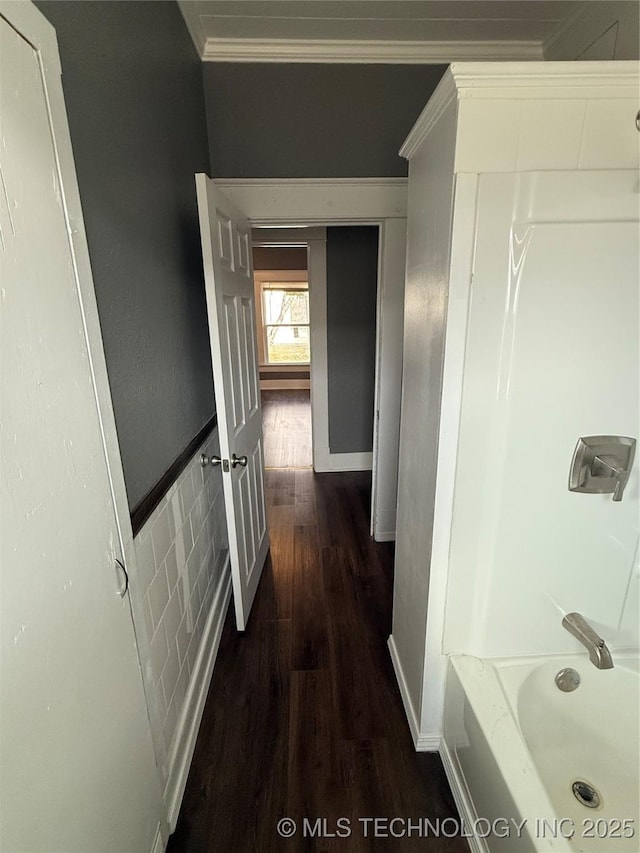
(285, 315)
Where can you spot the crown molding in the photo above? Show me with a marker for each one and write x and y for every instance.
(557, 37)
(193, 22)
(444, 94)
(613, 78)
(522, 80)
(367, 51)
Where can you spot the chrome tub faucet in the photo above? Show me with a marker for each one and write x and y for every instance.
(599, 654)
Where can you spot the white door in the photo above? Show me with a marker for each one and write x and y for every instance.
(226, 251)
(77, 761)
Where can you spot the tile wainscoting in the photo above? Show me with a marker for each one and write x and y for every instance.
(185, 587)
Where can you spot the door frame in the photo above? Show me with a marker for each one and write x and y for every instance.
(314, 240)
(345, 201)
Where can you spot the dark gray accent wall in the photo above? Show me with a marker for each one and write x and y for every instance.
(133, 89)
(352, 280)
(270, 120)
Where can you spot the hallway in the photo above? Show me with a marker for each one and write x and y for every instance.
(304, 718)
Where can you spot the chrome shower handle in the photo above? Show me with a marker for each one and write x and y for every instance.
(601, 465)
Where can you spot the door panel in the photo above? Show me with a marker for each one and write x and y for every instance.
(242, 517)
(224, 241)
(258, 489)
(252, 402)
(244, 261)
(233, 358)
(78, 766)
(231, 310)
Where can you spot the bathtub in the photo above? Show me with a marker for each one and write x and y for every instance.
(514, 745)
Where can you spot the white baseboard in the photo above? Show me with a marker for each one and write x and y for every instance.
(385, 536)
(412, 717)
(160, 843)
(428, 743)
(328, 462)
(461, 797)
(384, 525)
(189, 722)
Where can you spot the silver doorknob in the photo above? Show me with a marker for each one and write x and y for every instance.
(238, 460)
(209, 460)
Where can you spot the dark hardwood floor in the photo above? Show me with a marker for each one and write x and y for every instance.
(286, 425)
(304, 718)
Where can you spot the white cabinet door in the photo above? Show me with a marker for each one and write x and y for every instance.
(226, 251)
(77, 761)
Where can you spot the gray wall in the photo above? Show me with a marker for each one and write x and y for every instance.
(133, 88)
(291, 121)
(265, 258)
(352, 276)
(306, 121)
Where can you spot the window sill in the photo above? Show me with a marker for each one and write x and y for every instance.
(290, 366)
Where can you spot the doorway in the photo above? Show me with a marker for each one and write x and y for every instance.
(284, 350)
(296, 313)
(277, 203)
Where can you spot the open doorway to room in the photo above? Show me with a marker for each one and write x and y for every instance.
(301, 212)
(316, 292)
(284, 353)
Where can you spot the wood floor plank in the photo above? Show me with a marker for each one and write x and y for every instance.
(310, 641)
(313, 754)
(360, 714)
(304, 717)
(279, 572)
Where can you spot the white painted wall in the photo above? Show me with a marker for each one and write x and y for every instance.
(389, 335)
(431, 183)
(598, 30)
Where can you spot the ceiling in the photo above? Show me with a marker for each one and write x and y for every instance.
(374, 30)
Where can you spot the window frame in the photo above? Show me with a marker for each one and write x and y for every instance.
(270, 279)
